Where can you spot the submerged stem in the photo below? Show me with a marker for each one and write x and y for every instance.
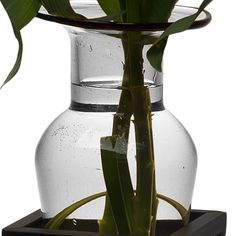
(139, 210)
(145, 202)
(145, 199)
(121, 127)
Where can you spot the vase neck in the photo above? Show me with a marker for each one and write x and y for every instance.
(85, 98)
(97, 67)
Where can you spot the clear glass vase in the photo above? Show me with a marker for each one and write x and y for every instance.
(68, 157)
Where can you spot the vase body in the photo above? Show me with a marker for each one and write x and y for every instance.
(68, 158)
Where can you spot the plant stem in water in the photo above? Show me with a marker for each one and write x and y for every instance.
(139, 210)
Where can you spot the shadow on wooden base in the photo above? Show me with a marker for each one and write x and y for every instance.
(202, 223)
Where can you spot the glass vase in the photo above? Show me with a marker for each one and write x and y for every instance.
(108, 103)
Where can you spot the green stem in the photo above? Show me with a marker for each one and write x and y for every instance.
(145, 191)
(121, 127)
(134, 59)
(145, 202)
(128, 213)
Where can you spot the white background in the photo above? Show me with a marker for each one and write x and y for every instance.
(200, 84)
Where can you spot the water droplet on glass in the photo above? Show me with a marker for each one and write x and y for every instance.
(81, 45)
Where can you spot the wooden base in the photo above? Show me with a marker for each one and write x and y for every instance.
(202, 223)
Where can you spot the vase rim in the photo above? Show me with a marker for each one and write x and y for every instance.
(178, 12)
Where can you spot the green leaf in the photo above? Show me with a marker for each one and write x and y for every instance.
(110, 6)
(20, 13)
(17, 64)
(56, 222)
(157, 10)
(114, 9)
(107, 224)
(155, 53)
(121, 127)
(61, 8)
(182, 210)
(113, 152)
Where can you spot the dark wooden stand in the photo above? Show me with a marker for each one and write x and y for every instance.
(202, 223)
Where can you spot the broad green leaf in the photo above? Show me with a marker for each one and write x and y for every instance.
(157, 10)
(114, 9)
(61, 8)
(155, 53)
(113, 151)
(121, 127)
(20, 12)
(110, 6)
